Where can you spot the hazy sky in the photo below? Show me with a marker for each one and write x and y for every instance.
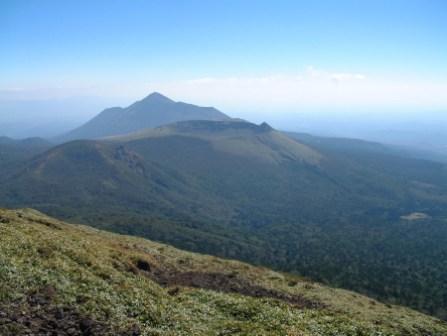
(236, 55)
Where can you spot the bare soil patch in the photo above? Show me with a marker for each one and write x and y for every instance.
(221, 282)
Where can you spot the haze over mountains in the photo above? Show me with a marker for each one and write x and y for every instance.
(416, 133)
(295, 202)
(47, 118)
(223, 168)
(13, 151)
(152, 111)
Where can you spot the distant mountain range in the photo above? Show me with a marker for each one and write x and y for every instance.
(152, 111)
(330, 209)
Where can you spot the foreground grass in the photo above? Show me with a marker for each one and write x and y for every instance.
(80, 281)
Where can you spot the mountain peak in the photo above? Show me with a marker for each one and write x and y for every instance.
(152, 111)
(157, 97)
(266, 127)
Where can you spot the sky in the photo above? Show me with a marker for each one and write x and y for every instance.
(268, 57)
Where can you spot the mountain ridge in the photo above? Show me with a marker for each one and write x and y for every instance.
(246, 191)
(235, 137)
(235, 189)
(13, 152)
(152, 111)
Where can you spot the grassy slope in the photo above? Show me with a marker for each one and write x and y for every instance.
(83, 281)
(240, 138)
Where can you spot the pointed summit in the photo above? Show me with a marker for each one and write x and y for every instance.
(266, 127)
(156, 97)
(152, 111)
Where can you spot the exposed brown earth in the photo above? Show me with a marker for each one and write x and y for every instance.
(220, 282)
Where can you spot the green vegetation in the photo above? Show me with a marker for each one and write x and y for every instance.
(81, 281)
(13, 151)
(322, 208)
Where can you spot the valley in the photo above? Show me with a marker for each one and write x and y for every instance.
(223, 168)
(297, 203)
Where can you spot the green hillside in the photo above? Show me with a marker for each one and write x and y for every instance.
(63, 279)
(234, 137)
(335, 212)
(13, 152)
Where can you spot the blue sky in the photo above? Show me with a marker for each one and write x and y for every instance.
(213, 51)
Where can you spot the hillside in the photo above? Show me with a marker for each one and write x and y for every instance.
(80, 281)
(13, 151)
(152, 111)
(156, 171)
(245, 191)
